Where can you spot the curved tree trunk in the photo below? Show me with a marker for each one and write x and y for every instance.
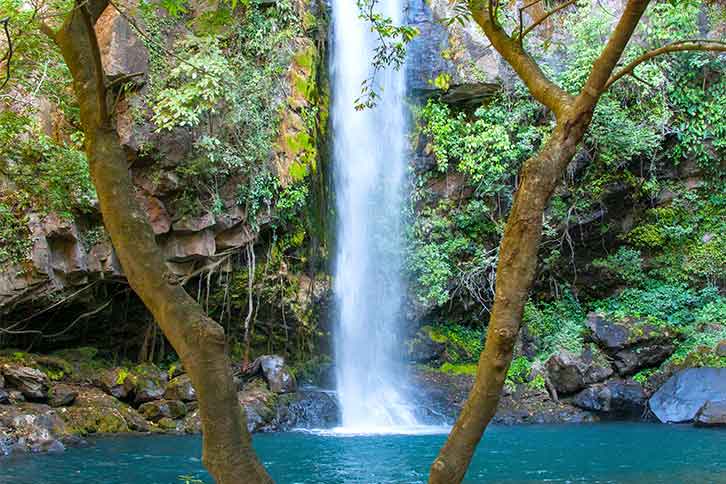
(515, 275)
(520, 243)
(198, 340)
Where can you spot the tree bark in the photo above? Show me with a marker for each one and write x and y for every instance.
(198, 340)
(523, 231)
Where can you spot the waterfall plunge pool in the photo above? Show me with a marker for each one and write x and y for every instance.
(591, 453)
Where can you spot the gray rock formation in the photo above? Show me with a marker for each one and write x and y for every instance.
(686, 392)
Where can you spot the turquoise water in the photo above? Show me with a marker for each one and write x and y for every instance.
(600, 453)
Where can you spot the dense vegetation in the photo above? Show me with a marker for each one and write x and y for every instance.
(636, 228)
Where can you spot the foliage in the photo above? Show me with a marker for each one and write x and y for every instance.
(556, 325)
(463, 344)
(519, 370)
(626, 264)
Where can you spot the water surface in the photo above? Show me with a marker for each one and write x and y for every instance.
(600, 453)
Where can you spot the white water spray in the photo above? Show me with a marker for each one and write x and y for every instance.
(369, 171)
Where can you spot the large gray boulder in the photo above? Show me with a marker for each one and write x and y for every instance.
(616, 398)
(569, 373)
(632, 344)
(181, 388)
(32, 383)
(278, 375)
(713, 414)
(686, 392)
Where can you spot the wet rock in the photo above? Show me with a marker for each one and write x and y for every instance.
(721, 348)
(712, 414)
(155, 411)
(32, 383)
(259, 404)
(192, 423)
(617, 398)
(278, 376)
(686, 392)
(4, 397)
(422, 348)
(308, 409)
(632, 344)
(568, 373)
(35, 428)
(62, 396)
(167, 423)
(180, 388)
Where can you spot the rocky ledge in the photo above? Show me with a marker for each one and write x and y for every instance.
(47, 403)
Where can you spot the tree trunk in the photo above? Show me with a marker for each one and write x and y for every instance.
(515, 275)
(198, 340)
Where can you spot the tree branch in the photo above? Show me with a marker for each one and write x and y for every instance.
(680, 46)
(610, 56)
(543, 18)
(542, 88)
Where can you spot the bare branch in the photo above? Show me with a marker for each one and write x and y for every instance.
(610, 56)
(542, 88)
(542, 18)
(680, 46)
(9, 54)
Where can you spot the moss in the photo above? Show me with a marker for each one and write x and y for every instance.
(93, 420)
(459, 368)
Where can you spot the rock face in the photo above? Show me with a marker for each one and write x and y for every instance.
(632, 344)
(423, 349)
(686, 392)
(570, 374)
(32, 383)
(616, 398)
(278, 376)
(713, 414)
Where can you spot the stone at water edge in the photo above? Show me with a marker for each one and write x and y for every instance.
(721, 348)
(32, 383)
(618, 398)
(713, 414)
(570, 374)
(686, 392)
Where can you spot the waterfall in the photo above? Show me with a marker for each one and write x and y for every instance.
(369, 174)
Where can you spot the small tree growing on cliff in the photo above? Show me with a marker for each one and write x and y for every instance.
(538, 179)
(198, 340)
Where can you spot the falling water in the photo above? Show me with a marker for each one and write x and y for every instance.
(369, 167)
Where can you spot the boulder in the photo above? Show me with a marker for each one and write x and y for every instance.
(4, 397)
(155, 411)
(62, 396)
(122, 51)
(276, 373)
(259, 403)
(686, 392)
(308, 409)
(94, 411)
(32, 383)
(721, 348)
(632, 344)
(180, 388)
(422, 348)
(618, 398)
(570, 374)
(712, 414)
(149, 383)
(117, 383)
